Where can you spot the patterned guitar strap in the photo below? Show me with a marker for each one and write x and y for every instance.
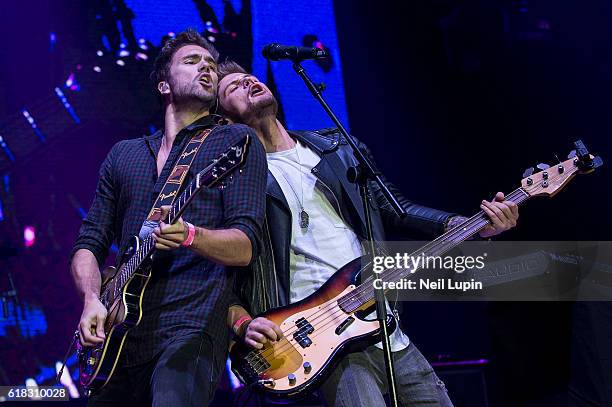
(177, 176)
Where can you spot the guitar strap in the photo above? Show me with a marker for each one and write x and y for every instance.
(173, 184)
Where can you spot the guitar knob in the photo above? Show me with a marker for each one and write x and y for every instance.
(292, 379)
(307, 367)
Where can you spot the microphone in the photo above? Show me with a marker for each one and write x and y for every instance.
(276, 52)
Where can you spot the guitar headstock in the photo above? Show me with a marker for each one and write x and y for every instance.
(223, 165)
(551, 179)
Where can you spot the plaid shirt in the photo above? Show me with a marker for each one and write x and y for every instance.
(187, 293)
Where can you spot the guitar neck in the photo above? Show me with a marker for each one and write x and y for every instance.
(364, 294)
(147, 246)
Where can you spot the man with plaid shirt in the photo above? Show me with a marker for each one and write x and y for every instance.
(174, 356)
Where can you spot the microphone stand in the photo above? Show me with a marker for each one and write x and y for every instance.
(361, 174)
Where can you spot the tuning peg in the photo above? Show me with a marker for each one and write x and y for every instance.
(572, 154)
(542, 166)
(528, 172)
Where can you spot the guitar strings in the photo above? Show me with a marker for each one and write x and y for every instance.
(357, 292)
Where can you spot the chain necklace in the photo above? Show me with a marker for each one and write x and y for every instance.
(304, 217)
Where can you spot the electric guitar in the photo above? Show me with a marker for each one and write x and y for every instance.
(321, 328)
(123, 288)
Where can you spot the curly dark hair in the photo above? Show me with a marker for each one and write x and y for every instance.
(161, 66)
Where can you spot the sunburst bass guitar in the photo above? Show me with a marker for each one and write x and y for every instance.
(319, 329)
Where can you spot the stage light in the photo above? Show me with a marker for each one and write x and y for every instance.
(32, 123)
(71, 82)
(171, 34)
(29, 236)
(120, 62)
(66, 104)
(122, 45)
(211, 38)
(141, 56)
(6, 149)
(66, 380)
(233, 380)
(99, 53)
(30, 382)
(124, 53)
(142, 44)
(52, 41)
(97, 69)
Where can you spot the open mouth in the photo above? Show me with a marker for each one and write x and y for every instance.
(256, 90)
(204, 80)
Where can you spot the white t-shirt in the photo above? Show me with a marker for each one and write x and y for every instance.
(328, 243)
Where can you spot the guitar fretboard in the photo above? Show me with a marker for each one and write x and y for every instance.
(147, 246)
(364, 293)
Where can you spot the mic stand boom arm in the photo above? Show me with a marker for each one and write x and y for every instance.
(361, 174)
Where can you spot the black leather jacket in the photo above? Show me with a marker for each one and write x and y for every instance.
(268, 284)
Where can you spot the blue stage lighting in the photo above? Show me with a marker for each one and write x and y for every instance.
(67, 105)
(32, 123)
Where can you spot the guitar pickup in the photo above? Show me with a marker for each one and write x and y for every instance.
(303, 340)
(301, 335)
(345, 324)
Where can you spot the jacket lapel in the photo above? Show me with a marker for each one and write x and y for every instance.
(334, 165)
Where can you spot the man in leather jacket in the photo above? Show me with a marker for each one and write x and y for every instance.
(314, 225)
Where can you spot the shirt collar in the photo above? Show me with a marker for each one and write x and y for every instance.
(201, 124)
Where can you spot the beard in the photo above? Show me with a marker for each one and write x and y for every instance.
(264, 105)
(193, 93)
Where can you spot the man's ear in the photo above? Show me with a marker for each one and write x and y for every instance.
(163, 88)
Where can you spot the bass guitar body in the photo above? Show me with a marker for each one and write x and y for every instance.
(317, 333)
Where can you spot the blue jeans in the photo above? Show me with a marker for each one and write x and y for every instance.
(360, 380)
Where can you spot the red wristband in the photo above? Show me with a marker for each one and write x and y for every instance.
(190, 235)
(239, 323)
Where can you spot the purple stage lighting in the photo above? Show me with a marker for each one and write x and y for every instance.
(71, 82)
(29, 236)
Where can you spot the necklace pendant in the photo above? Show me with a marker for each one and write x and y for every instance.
(304, 219)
